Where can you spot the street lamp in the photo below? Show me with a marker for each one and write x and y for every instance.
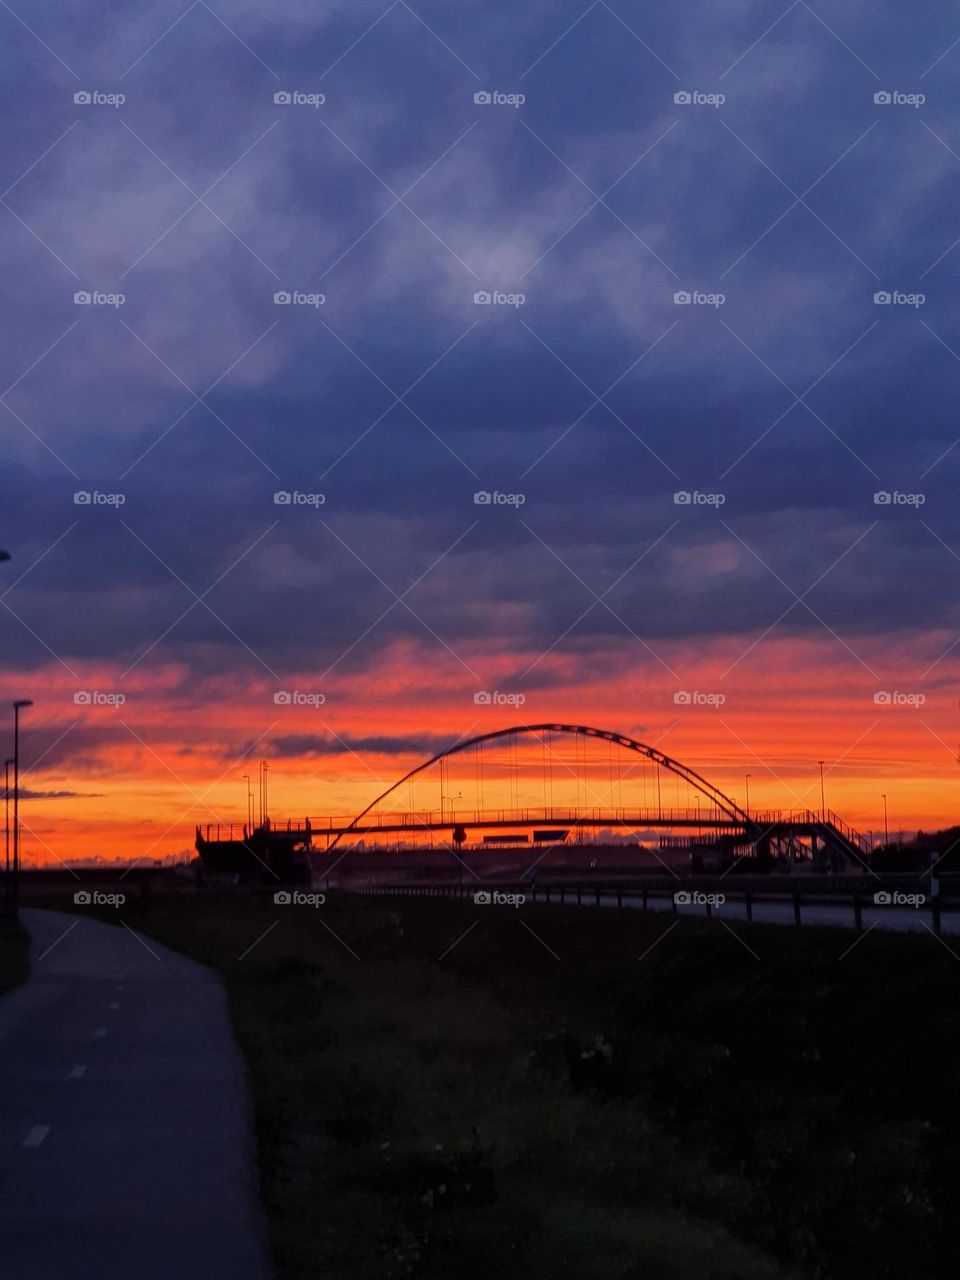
(246, 778)
(18, 706)
(823, 807)
(746, 778)
(886, 826)
(7, 765)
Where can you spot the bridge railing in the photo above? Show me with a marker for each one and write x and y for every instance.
(549, 816)
(809, 817)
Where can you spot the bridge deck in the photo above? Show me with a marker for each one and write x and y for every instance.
(775, 823)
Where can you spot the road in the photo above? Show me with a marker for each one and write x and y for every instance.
(126, 1143)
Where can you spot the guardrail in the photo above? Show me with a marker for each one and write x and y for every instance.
(592, 893)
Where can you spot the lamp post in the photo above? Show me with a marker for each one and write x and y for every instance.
(823, 807)
(746, 779)
(246, 778)
(18, 706)
(886, 826)
(5, 555)
(8, 882)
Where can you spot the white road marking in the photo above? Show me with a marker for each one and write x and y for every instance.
(36, 1135)
(77, 1071)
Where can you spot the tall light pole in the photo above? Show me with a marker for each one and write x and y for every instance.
(18, 706)
(7, 765)
(5, 555)
(746, 779)
(823, 807)
(246, 778)
(886, 826)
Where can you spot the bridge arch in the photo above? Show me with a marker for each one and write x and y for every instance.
(721, 801)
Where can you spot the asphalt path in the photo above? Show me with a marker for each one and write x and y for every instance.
(126, 1140)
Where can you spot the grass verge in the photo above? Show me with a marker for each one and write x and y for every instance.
(13, 953)
(431, 1098)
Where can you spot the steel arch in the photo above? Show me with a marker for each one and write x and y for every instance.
(721, 801)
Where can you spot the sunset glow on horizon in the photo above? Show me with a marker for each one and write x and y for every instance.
(133, 780)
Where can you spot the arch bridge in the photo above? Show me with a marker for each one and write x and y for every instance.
(704, 814)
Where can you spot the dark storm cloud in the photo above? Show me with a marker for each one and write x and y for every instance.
(197, 399)
(304, 744)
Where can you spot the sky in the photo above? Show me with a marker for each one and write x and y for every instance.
(384, 354)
